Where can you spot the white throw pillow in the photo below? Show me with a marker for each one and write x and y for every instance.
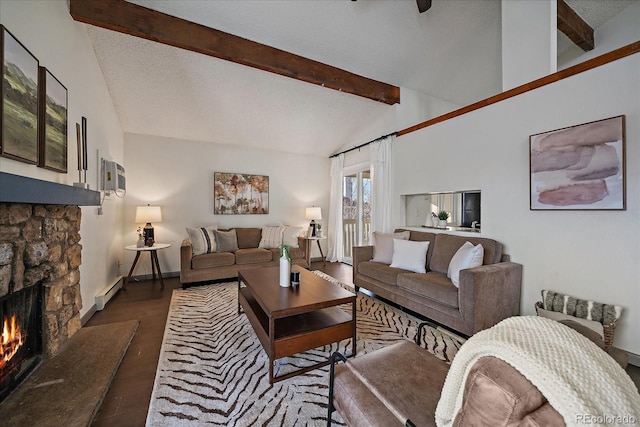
(383, 245)
(290, 236)
(202, 239)
(410, 255)
(271, 237)
(468, 256)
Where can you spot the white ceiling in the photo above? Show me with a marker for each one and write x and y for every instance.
(451, 52)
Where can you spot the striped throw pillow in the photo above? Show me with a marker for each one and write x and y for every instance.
(202, 239)
(271, 237)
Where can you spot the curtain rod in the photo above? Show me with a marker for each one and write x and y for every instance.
(357, 147)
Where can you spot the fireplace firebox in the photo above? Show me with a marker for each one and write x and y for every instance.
(20, 336)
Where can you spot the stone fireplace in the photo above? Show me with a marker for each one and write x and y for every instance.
(40, 246)
(40, 256)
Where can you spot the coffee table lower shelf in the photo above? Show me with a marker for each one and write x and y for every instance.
(286, 336)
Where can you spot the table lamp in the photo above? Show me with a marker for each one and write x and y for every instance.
(148, 214)
(313, 213)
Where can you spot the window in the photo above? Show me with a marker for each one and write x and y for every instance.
(356, 211)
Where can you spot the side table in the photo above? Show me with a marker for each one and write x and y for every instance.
(307, 252)
(155, 264)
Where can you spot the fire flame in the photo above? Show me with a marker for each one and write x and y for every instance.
(11, 340)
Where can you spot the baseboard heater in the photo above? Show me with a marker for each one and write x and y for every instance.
(106, 294)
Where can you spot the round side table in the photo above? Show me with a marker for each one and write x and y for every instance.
(155, 264)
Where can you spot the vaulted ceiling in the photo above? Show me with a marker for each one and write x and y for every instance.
(451, 52)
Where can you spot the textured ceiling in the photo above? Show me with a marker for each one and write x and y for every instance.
(451, 52)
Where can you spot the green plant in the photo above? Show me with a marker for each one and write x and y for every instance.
(284, 252)
(443, 215)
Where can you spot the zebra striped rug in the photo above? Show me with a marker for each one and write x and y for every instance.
(213, 370)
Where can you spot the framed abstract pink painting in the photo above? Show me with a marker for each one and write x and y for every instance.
(579, 167)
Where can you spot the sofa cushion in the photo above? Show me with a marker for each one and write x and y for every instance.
(467, 256)
(295, 253)
(383, 245)
(410, 255)
(253, 256)
(271, 237)
(379, 271)
(248, 237)
(226, 241)
(446, 245)
(391, 372)
(219, 259)
(202, 239)
(433, 285)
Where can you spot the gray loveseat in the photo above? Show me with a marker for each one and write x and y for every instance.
(487, 294)
(225, 265)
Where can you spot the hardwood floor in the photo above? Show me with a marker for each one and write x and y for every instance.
(127, 401)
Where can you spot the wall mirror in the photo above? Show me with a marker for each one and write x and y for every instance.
(463, 208)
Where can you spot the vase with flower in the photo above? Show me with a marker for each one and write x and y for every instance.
(285, 266)
(140, 242)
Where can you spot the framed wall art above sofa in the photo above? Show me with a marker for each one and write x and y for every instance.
(239, 193)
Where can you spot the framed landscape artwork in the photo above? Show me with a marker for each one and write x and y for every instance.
(237, 194)
(579, 167)
(53, 122)
(19, 118)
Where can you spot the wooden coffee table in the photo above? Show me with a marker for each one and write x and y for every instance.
(292, 320)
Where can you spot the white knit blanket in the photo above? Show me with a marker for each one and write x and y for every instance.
(582, 382)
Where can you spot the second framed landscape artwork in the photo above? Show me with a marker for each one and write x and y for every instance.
(53, 122)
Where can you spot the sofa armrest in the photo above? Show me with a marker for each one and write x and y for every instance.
(186, 253)
(361, 254)
(490, 293)
(302, 244)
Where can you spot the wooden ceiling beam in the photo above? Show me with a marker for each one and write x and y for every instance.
(134, 20)
(574, 27)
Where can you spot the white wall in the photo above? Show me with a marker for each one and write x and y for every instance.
(178, 176)
(62, 46)
(529, 41)
(414, 107)
(588, 254)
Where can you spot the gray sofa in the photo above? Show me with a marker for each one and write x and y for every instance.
(225, 265)
(487, 294)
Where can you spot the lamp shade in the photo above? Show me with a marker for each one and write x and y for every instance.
(313, 213)
(146, 214)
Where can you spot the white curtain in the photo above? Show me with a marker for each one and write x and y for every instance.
(335, 252)
(381, 185)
